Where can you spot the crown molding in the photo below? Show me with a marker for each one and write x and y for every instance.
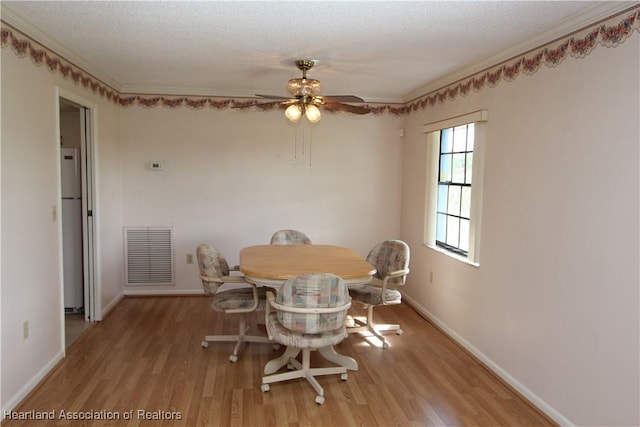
(590, 17)
(37, 35)
(226, 93)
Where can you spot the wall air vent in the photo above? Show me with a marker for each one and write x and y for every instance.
(149, 256)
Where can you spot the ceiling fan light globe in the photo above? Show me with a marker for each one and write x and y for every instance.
(304, 87)
(312, 113)
(293, 113)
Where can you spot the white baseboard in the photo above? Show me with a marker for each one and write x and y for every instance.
(111, 305)
(33, 383)
(163, 292)
(490, 364)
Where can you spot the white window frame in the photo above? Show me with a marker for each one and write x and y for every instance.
(432, 131)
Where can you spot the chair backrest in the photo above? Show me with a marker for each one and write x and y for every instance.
(212, 264)
(290, 237)
(389, 256)
(313, 290)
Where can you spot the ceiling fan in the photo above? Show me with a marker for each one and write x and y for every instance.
(307, 100)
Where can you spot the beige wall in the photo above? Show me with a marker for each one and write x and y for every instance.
(31, 269)
(554, 303)
(231, 179)
(553, 307)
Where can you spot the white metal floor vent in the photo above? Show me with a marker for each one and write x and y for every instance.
(149, 256)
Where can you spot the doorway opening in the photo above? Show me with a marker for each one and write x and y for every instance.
(76, 214)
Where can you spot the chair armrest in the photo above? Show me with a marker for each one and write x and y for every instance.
(236, 279)
(393, 275)
(309, 310)
(254, 289)
(211, 279)
(224, 279)
(389, 276)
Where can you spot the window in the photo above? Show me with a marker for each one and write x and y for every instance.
(454, 185)
(453, 209)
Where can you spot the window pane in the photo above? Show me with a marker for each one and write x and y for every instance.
(453, 207)
(442, 198)
(465, 202)
(441, 228)
(453, 230)
(471, 129)
(464, 235)
(460, 138)
(458, 168)
(446, 139)
(445, 168)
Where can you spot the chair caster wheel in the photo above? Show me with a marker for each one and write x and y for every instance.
(233, 358)
(344, 376)
(276, 346)
(290, 366)
(399, 332)
(319, 400)
(204, 344)
(385, 345)
(264, 388)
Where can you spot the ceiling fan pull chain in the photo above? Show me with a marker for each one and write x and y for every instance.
(310, 146)
(295, 145)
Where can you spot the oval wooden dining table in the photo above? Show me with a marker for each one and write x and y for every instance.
(272, 265)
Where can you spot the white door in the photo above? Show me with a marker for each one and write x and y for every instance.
(88, 204)
(82, 191)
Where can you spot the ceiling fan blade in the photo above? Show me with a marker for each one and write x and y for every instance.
(329, 105)
(343, 98)
(273, 96)
(284, 103)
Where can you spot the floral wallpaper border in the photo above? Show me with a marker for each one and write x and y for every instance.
(608, 33)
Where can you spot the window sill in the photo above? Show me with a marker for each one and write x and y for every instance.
(454, 255)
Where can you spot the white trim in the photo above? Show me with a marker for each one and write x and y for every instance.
(453, 255)
(111, 305)
(96, 307)
(432, 131)
(491, 365)
(474, 117)
(31, 384)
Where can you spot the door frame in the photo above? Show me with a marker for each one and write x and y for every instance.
(90, 197)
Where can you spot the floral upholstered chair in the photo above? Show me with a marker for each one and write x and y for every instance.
(308, 314)
(391, 259)
(290, 237)
(214, 271)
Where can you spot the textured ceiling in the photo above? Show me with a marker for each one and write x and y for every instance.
(382, 51)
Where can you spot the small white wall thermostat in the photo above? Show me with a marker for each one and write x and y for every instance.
(155, 166)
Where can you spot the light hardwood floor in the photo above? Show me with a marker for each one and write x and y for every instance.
(146, 356)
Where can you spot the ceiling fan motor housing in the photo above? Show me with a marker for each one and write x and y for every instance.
(304, 87)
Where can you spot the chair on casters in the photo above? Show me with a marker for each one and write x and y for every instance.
(290, 237)
(391, 259)
(214, 271)
(308, 314)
